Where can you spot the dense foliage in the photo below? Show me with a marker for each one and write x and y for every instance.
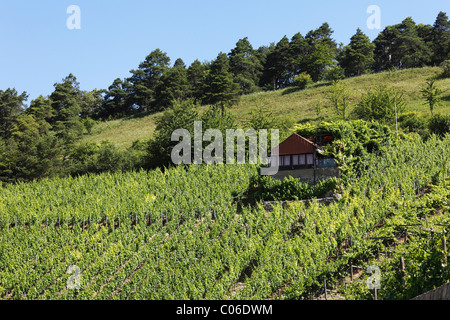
(265, 188)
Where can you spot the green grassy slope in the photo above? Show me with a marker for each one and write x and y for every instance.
(291, 103)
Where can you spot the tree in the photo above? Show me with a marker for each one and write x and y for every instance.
(441, 38)
(42, 111)
(431, 94)
(358, 57)
(246, 66)
(220, 85)
(117, 100)
(340, 96)
(91, 102)
(400, 46)
(322, 52)
(181, 115)
(32, 151)
(173, 86)
(146, 78)
(196, 78)
(67, 110)
(11, 105)
(276, 67)
(298, 50)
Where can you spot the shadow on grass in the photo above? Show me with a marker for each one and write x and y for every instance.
(140, 115)
(446, 98)
(306, 120)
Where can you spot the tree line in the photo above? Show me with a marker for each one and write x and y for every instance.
(154, 85)
(41, 140)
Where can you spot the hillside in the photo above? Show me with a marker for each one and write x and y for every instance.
(298, 105)
(170, 235)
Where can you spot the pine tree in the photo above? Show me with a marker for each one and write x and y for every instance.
(116, 101)
(12, 104)
(358, 56)
(322, 52)
(298, 50)
(400, 46)
(246, 66)
(147, 77)
(276, 68)
(65, 103)
(196, 78)
(174, 86)
(441, 38)
(220, 83)
(41, 109)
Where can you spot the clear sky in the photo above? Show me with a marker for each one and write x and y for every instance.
(37, 49)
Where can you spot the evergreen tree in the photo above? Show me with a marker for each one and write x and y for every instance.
(116, 101)
(196, 79)
(298, 50)
(42, 111)
(67, 110)
(220, 83)
(441, 38)
(245, 66)
(11, 105)
(276, 68)
(32, 151)
(146, 78)
(321, 53)
(173, 86)
(400, 46)
(91, 102)
(358, 56)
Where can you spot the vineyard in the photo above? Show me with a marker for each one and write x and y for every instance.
(183, 233)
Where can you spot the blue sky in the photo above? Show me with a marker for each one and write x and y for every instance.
(37, 49)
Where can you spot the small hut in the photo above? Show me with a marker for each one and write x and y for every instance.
(302, 158)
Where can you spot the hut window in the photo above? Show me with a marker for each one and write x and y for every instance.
(295, 160)
(285, 161)
(309, 159)
(302, 159)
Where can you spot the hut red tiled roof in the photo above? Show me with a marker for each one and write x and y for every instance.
(295, 144)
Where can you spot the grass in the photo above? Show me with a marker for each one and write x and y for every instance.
(296, 105)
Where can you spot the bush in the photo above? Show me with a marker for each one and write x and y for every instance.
(336, 73)
(439, 125)
(104, 157)
(379, 104)
(445, 69)
(265, 188)
(411, 122)
(88, 124)
(302, 80)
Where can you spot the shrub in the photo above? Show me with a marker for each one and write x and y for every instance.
(265, 188)
(411, 122)
(445, 69)
(302, 80)
(336, 73)
(379, 104)
(102, 157)
(440, 125)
